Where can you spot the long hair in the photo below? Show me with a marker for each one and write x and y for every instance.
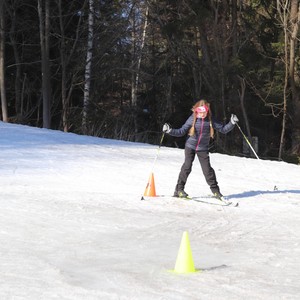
(197, 104)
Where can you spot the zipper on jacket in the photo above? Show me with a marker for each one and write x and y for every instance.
(200, 133)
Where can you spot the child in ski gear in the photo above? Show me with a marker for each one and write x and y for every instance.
(200, 127)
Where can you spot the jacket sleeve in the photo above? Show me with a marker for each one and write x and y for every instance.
(184, 129)
(223, 128)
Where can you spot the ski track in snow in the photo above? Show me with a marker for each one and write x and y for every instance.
(73, 225)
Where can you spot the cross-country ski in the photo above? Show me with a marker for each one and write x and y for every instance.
(211, 200)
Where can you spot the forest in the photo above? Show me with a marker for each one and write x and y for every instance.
(121, 69)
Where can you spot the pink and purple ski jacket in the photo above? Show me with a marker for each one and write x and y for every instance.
(200, 140)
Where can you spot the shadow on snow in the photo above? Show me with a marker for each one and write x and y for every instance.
(255, 193)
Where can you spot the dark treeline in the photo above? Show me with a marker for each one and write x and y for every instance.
(120, 69)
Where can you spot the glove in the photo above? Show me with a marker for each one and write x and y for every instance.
(166, 128)
(234, 119)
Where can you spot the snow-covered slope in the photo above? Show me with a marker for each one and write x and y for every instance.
(72, 225)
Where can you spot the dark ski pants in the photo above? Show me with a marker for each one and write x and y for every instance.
(207, 170)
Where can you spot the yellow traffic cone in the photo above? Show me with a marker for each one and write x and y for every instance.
(184, 261)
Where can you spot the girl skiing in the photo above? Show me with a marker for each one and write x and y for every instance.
(200, 127)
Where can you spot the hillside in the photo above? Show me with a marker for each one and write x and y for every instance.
(73, 225)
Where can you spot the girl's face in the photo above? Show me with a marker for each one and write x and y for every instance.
(201, 111)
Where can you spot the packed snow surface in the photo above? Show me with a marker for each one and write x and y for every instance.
(73, 226)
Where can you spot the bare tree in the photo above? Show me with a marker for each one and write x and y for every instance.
(139, 23)
(283, 10)
(44, 19)
(88, 67)
(242, 101)
(294, 73)
(13, 40)
(138, 42)
(63, 69)
(2, 70)
(289, 15)
(66, 56)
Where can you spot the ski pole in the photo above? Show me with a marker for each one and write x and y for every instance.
(160, 143)
(275, 187)
(247, 140)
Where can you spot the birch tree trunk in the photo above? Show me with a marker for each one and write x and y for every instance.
(137, 54)
(282, 8)
(88, 67)
(138, 41)
(44, 19)
(2, 70)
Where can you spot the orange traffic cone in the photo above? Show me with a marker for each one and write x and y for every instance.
(150, 188)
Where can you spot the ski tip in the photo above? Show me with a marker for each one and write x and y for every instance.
(142, 198)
